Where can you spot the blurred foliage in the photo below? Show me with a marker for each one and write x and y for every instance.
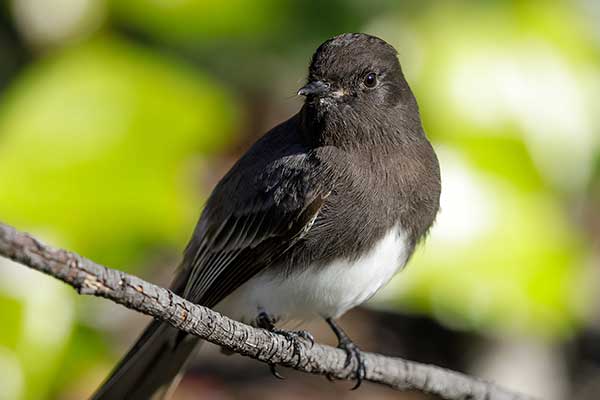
(192, 20)
(37, 319)
(104, 127)
(95, 139)
(200, 22)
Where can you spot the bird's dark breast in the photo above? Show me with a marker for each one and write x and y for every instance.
(372, 192)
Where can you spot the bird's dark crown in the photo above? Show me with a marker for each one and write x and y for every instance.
(349, 53)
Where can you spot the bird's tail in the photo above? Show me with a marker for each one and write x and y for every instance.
(151, 365)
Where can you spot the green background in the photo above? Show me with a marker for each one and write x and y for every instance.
(115, 125)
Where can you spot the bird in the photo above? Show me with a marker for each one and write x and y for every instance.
(317, 216)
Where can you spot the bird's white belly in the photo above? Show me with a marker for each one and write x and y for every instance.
(327, 291)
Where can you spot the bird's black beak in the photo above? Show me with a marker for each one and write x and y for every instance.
(315, 88)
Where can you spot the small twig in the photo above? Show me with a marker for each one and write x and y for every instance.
(89, 278)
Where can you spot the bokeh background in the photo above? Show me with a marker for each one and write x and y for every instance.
(118, 117)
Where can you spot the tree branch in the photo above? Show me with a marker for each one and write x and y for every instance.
(89, 278)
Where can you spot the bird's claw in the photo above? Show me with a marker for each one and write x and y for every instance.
(276, 373)
(294, 337)
(352, 351)
(266, 322)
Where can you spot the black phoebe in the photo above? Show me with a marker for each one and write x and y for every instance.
(313, 220)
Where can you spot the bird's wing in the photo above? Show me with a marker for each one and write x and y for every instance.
(230, 248)
(245, 227)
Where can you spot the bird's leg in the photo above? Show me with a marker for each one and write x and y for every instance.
(265, 321)
(352, 351)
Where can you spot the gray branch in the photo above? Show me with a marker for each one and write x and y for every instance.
(89, 278)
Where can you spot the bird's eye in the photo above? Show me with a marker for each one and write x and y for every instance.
(370, 80)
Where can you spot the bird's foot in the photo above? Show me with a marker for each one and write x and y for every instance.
(352, 352)
(267, 322)
(294, 336)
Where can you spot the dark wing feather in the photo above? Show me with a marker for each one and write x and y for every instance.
(234, 249)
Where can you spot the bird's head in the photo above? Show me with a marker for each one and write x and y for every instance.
(356, 80)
